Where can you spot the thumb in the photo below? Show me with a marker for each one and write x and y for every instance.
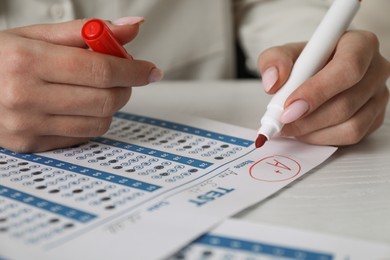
(126, 29)
(69, 33)
(275, 65)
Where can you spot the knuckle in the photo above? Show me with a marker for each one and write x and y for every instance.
(109, 104)
(14, 94)
(113, 100)
(355, 66)
(343, 108)
(275, 52)
(13, 97)
(293, 129)
(24, 144)
(17, 59)
(102, 72)
(372, 38)
(318, 97)
(17, 125)
(354, 69)
(355, 132)
(101, 126)
(268, 52)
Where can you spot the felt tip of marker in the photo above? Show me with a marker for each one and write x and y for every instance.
(260, 140)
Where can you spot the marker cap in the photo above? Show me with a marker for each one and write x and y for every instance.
(101, 39)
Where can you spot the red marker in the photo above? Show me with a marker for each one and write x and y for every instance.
(100, 38)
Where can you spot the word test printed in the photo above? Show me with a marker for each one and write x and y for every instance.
(146, 189)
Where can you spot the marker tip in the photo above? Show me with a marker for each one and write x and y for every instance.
(260, 140)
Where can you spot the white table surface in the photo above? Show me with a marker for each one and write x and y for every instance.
(348, 195)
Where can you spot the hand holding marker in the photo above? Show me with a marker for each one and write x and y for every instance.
(311, 60)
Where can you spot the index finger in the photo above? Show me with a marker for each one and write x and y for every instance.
(350, 62)
(77, 66)
(281, 58)
(69, 33)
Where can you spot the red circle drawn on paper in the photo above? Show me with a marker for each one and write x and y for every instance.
(286, 169)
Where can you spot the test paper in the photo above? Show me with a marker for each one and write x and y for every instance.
(145, 189)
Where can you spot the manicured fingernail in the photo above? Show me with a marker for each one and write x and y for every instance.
(129, 20)
(269, 78)
(294, 111)
(155, 75)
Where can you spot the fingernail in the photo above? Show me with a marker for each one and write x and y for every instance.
(155, 75)
(294, 111)
(269, 78)
(129, 20)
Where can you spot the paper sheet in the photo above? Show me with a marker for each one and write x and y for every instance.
(145, 189)
(238, 239)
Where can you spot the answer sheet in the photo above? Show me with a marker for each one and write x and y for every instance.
(238, 239)
(144, 190)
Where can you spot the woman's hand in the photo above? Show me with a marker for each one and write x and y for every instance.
(55, 92)
(341, 104)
